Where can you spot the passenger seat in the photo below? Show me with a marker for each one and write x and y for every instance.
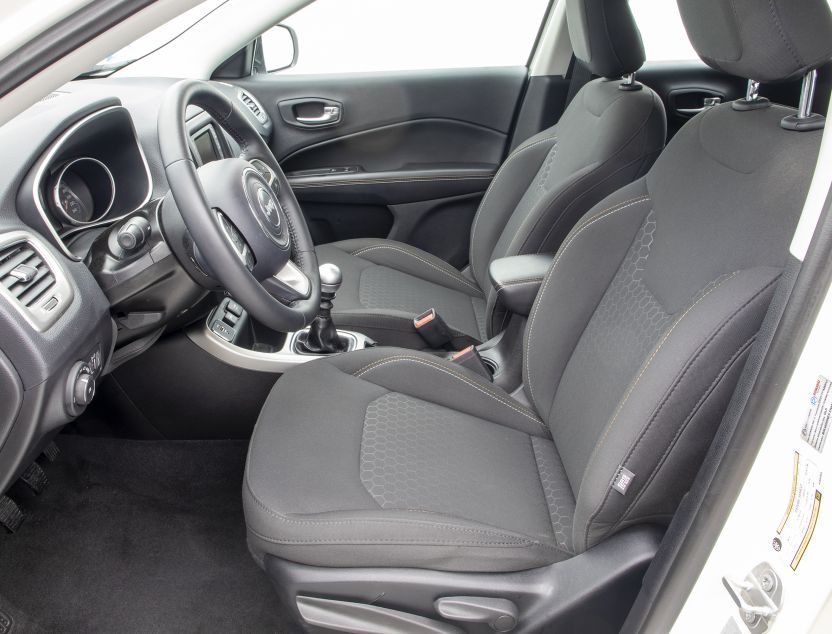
(609, 135)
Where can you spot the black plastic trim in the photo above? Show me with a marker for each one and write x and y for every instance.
(74, 31)
(590, 592)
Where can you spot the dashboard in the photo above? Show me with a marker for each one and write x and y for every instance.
(89, 276)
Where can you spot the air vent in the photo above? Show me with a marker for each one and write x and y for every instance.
(254, 106)
(29, 280)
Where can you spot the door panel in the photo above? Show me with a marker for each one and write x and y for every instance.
(420, 142)
(402, 155)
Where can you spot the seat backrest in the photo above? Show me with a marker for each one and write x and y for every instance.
(606, 138)
(644, 321)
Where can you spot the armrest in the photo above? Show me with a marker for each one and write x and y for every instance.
(517, 280)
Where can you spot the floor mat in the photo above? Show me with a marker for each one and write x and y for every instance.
(135, 536)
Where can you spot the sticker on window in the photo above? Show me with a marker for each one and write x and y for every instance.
(816, 427)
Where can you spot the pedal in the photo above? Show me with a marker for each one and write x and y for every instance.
(51, 452)
(35, 478)
(11, 517)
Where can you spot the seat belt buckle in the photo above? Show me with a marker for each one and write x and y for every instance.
(433, 329)
(470, 358)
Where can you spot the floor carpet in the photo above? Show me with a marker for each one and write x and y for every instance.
(137, 536)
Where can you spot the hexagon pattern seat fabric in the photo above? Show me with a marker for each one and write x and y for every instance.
(450, 467)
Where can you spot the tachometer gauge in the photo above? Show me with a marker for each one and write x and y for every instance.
(83, 191)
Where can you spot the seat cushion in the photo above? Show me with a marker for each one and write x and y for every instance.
(388, 283)
(390, 457)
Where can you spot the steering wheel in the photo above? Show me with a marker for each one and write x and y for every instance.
(245, 222)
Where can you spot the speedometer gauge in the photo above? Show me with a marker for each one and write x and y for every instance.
(83, 191)
(71, 203)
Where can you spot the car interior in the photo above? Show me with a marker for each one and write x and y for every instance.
(432, 351)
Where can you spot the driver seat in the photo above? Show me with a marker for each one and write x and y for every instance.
(391, 490)
(607, 137)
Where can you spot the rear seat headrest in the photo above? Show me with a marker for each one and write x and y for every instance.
(765, 40)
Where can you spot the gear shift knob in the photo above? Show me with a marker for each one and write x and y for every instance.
(330, 278)
(323, 337)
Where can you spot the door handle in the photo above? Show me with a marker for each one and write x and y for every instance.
(707, 102)
(689, 102)
(311, 112)
(331, 114)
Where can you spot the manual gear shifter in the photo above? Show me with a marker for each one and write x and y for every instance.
(323, 337)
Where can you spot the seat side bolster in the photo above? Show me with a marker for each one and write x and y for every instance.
(672, 407)
(501, 198)
(431, 378)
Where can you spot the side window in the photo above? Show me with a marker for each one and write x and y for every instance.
(664, 35)
(342, 36)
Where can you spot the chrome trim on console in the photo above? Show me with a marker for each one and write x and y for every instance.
(273, 362)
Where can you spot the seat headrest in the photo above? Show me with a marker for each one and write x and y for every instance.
(764, 40)
(605, 36)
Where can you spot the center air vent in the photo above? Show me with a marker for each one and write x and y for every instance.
(33, 284)
(254, 106)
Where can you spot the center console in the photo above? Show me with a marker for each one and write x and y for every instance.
(245, 345)
(230, 335)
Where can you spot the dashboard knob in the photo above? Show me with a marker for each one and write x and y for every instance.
(84, 389)
(130, 237)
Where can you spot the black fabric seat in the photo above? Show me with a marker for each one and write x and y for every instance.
(425, 454)
(390, 457)
(606, 138)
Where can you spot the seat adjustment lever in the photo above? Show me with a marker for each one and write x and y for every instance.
(500, 614)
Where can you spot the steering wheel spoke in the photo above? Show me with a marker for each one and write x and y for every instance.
(266, 172)
(237, 241)
(289, 284)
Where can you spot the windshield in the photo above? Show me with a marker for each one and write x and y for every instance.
(151, 41)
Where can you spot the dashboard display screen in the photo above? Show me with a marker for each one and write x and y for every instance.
(206, 147)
